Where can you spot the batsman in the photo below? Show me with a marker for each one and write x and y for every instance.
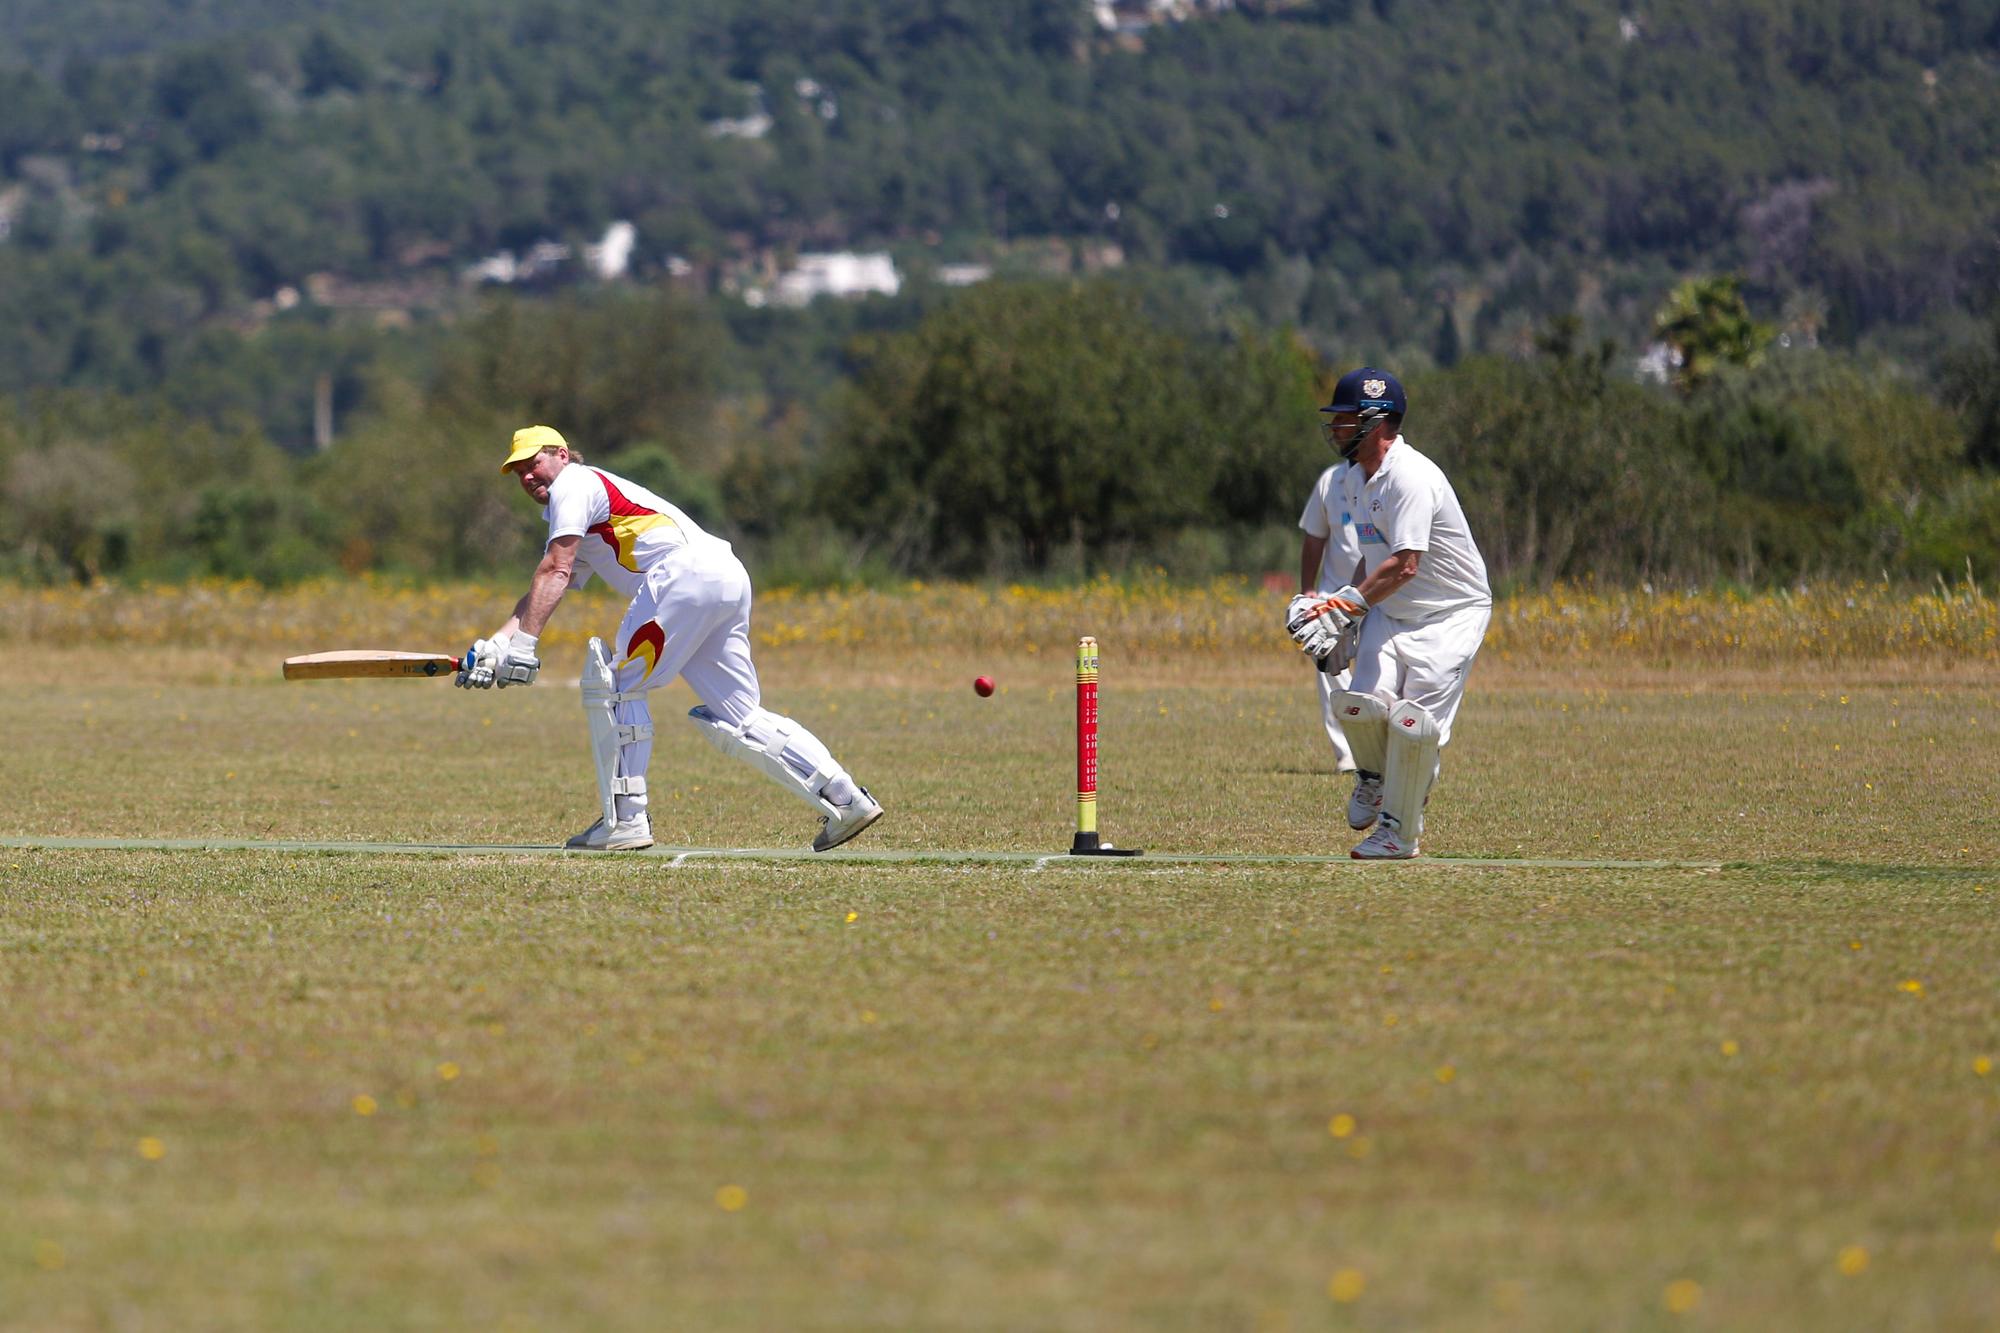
(1412, 620)
(689, 617)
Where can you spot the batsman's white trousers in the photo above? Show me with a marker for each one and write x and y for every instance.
(692, 620)
(1424, 663)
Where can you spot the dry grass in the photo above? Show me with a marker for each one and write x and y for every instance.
(974, 1099)
(253, 1090)
(1860, 624)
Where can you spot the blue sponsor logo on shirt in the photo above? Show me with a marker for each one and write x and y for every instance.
(1368, 532)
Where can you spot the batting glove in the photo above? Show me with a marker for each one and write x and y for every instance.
(518, 663)
(475, 669)
(1317, 627)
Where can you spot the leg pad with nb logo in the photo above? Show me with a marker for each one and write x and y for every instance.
(1364, 720)
(1409, 768)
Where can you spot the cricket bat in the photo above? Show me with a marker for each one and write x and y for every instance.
(367, 662)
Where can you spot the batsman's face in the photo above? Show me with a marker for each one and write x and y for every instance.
(1343, 432)
(536, 473)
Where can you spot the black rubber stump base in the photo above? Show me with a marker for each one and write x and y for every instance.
(1087, 844)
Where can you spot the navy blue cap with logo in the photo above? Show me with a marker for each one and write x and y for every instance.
(1371, 395)
(1368, 390)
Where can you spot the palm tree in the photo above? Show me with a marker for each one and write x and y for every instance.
(1707, 324)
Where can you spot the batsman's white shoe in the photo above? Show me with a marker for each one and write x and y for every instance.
(1366, 802)
(855, 816)
(1384, 844)
(626, 835)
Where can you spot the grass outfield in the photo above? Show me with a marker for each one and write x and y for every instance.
(247, 1089)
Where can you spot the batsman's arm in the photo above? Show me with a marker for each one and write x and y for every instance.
(1388, 577)
(551, 580)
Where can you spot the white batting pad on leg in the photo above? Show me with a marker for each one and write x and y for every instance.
(608, 736)
(1409, 768)
(1364, 720)
(778, 747)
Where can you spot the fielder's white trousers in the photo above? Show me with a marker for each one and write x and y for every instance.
(1424, 663)
(1330, 686)
(692, 620)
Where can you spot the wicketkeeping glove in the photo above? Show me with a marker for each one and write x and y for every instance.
(475, 669)
(1345, 647)
(518, 663)
(1316, 626)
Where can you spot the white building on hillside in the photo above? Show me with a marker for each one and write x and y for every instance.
(611, 257)
(842, 273)
(963, 275)
(753, 126)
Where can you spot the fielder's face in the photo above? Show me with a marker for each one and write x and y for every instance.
(536, 473)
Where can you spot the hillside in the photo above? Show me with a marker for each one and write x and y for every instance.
(1445, 174)
(278, 275)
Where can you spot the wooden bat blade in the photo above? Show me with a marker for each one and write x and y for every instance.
(368, 662)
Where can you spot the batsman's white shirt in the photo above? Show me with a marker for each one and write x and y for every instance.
(1327, 515)
(1408, 505)
(626, 529)
(1418, 643)
(690, 611)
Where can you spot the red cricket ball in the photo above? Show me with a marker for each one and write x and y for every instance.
(983, 686)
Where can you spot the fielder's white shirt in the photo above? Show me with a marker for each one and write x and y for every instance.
(626, 529)
(1409, 506)
(1327, 515)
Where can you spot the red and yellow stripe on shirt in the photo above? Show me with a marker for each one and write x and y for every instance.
(628, 520)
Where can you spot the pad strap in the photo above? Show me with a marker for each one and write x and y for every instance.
(593, 694)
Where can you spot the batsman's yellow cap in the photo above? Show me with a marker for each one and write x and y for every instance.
(531, 440)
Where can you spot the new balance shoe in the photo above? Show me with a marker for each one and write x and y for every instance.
(1366, 802)
(1384, 843)
(624, 836)
(855, 816)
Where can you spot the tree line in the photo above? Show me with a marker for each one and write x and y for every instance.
(1045, 429)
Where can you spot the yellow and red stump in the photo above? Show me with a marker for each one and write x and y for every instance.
(1087, 842)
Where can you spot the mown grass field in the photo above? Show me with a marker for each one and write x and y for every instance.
(1753, 1088)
